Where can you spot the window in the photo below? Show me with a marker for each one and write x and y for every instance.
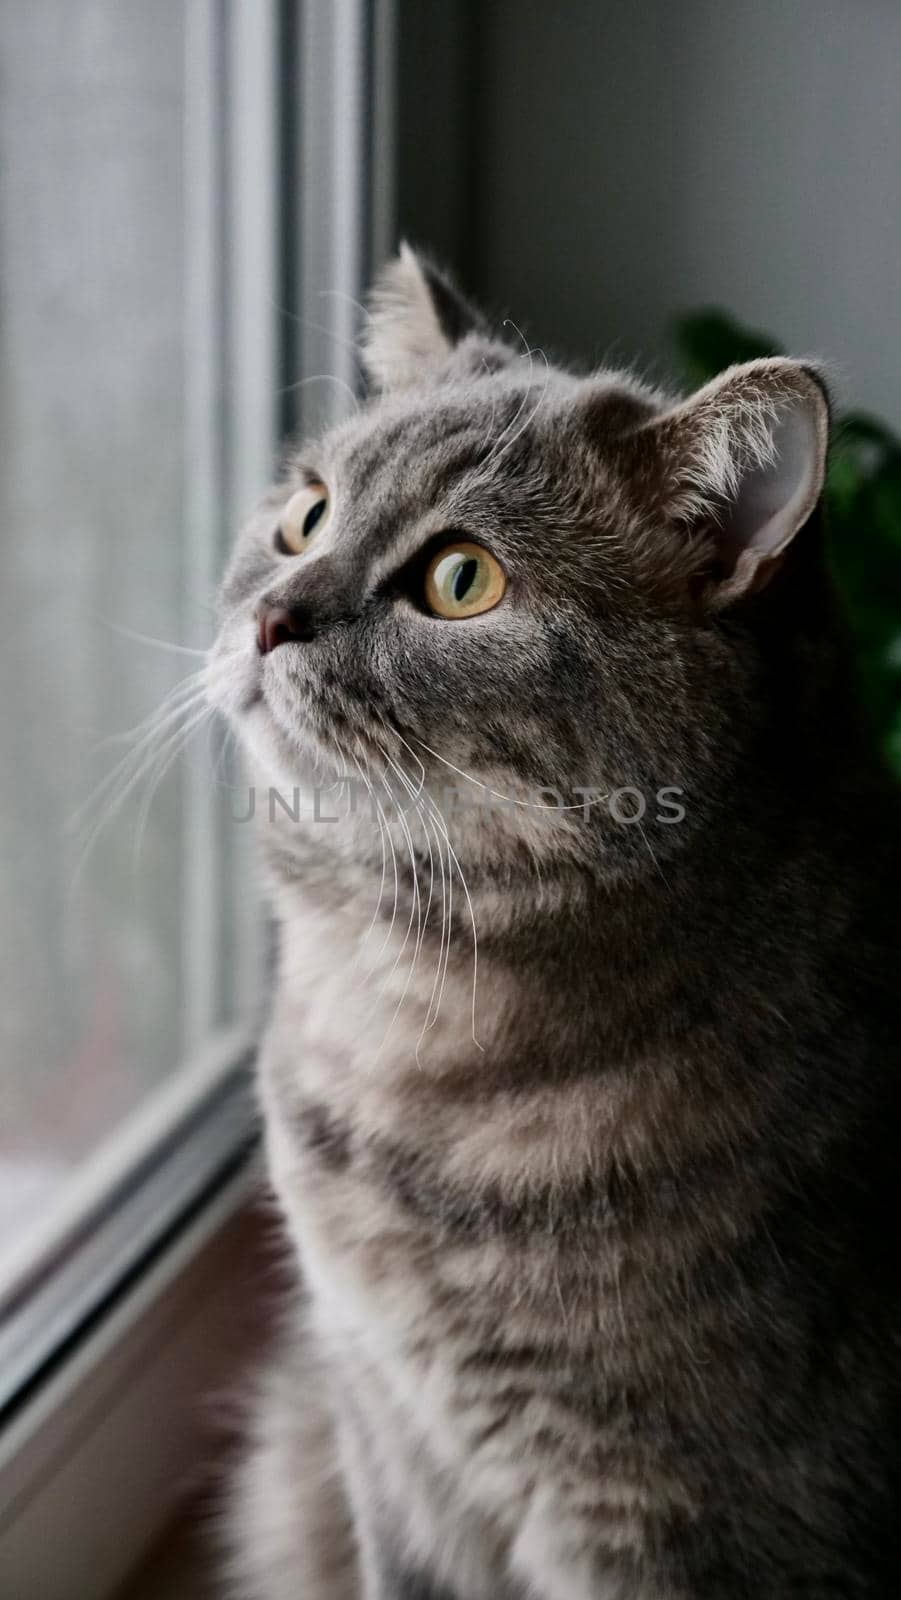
(123, 933)
(179, 182)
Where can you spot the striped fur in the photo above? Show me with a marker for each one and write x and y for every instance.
(584, 1132)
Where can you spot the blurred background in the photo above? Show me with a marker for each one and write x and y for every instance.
(605, 167)
(677, 186)
(193, 196)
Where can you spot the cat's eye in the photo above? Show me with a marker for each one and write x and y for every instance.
(303, 518)
(463, 580)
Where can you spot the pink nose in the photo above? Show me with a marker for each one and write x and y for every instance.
(278, 625)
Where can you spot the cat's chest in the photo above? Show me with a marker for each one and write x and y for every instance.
(426, 1216)
(432, 1182)
(476, 1339)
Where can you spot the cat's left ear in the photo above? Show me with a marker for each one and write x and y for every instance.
(416, 317)
(738, 469)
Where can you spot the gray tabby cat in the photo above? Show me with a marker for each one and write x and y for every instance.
(583, 1116)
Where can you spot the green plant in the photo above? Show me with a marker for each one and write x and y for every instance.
(863, 516)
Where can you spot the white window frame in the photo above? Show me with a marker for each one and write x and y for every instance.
(129, 1304)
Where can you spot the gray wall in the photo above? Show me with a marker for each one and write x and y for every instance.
(624, 161)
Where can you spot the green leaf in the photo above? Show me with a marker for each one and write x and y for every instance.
(863, 515)
(708, 341)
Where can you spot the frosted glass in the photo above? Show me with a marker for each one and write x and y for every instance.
(93, 484)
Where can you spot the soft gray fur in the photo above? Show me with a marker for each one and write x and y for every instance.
(583, 1129)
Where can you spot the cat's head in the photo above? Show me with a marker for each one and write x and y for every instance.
(539, 580)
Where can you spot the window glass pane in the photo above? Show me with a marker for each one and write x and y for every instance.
(98, 977)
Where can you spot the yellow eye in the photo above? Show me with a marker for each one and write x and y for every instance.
(304, 516)
(463, 580)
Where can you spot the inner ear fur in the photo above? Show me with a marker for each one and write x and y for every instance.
(735, 472)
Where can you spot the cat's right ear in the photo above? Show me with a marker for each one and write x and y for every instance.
(416, 317)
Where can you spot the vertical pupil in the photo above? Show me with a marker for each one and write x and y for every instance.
(465, 577)
(312, 517)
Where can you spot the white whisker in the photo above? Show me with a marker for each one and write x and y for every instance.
(165, 761)
(156, 727)
(416, 907)
(416, 795)
(188, 689)
(447, 887)
(129, 782)
(339, 294)
(430, 829)
(408, 839)
(652, 855)
(320, 327)
(444, 943)
(383, 946)
(498, 452)
(447, 917)
(472, 918)
(528, 805)
(381, 826)
(508, 322)
(147, 638)
(322, 377)
(155, 745)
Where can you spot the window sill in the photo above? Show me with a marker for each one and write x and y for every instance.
(94, 1467)
(182, 1564)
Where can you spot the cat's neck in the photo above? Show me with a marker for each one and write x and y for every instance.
(748, 896)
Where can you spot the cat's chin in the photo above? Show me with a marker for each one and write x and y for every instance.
(286, 756)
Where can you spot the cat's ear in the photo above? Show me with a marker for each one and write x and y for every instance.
(738, 469)
(416, 317)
